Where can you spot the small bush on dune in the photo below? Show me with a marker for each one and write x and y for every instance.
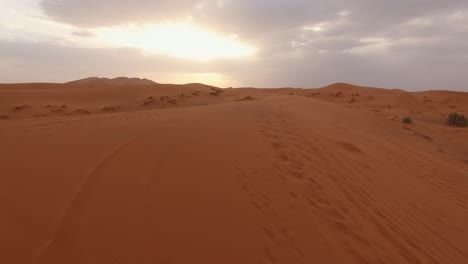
(458, 120)
(247, 98)
(216, 92)
(407, 120)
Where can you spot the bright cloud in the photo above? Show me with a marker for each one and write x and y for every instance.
(177, 40)
(266, 43)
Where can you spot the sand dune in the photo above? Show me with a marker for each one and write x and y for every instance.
(193, 174)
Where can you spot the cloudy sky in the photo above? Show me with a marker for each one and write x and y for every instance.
(407, 44)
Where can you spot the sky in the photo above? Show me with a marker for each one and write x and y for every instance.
(406, 44)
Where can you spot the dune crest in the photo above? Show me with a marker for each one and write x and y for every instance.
(119, 81)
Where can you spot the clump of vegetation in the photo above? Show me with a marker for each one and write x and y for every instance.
(247, 98)
(407, 120)
(149, 101)
(216, 91)
(110, 108)
(458, 120)
(20, 107)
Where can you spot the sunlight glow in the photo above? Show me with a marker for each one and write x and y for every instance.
(177, 40)
(209, 78)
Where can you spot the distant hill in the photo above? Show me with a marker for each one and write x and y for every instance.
(119, 81)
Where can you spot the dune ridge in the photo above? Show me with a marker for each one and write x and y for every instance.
(119, 81)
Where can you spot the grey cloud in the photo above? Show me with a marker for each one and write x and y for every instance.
(426, 38)
(303, 68)
(91, 13)
(315, 70)
(240, 16)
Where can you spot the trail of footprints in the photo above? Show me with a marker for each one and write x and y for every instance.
(277, 233)
(347, 214)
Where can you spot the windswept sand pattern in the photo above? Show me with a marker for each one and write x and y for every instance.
(345, 200)
(451, 185)
(281, 245)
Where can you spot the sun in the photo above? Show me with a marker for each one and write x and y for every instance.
(178, 40)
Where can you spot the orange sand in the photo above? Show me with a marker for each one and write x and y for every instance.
(126, 171)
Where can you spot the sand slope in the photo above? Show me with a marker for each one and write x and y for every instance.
(265, 179)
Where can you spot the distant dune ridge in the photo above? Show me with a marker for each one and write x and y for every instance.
(128, 170)
(131, 94)
(119, 81)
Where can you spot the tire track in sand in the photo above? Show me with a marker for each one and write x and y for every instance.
(77, 200)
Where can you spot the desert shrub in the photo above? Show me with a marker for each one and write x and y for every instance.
(407, 120)
(456, 119)
(216, 91)
(247, 98)
(110, 108)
